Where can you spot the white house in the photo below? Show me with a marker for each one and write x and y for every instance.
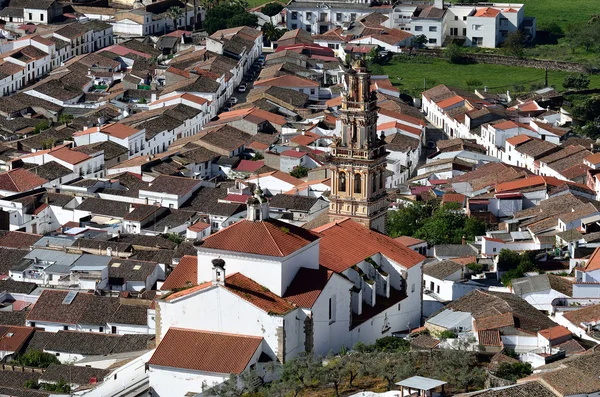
(540, 290)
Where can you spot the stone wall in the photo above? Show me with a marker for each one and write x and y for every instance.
(495, 59)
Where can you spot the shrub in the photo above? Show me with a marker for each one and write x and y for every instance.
(391, 344)
(475, 267)
(514, 371)
(576, 81)
(36, 358)
(447, 334)
(454, 53)
(299, 172)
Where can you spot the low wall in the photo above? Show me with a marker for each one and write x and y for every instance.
(495, 59)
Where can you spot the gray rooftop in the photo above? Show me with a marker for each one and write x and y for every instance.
(421, 383)
(450, 319)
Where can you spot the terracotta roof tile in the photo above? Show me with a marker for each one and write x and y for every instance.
(519, 139)
(258, 295)
(18, 239)
(587, 314)
(454, 198)
(424, 342)
(487, 12)
(496, 321)
(13, 338)
(184, 274)
(490, 338)
(279, 175)
(20, 180)
(270, 238)
(346, 243)
(555, 332)
(307, 286)
(198, 226)
(205, 351)
(408, 241)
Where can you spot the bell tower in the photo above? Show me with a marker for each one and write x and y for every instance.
(358, 156)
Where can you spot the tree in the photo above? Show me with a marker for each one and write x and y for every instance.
(473, 228)
(454, 53)
(271, 33)
(587, 109)
(272, 9)
(175, 237)
(444, 227)
(458, 367)
(391, 344)
(513, 371)
(576, 81)
(299, 171)
(586, 35)
(36, 358)
(257, 156)
(515, 265)
(391, 366)
(41, 126)
(245, 19)
(419, 41)
(221, 16)
(514, 45)
(333, 373)
(302, 371)
(406, 221)
(175, 13)
(65, 118)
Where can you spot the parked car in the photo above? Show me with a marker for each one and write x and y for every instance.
(227, 108)
(242, 87)
(232, 101)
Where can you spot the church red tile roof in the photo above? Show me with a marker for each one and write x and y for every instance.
(307, 286)
(258, 295)
(269, 238)
(346, 243)
(205, 351)
(184, 274)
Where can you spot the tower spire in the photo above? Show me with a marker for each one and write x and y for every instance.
(358, 155)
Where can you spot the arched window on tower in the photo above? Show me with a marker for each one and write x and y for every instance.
(374, 182)
(357, 183)
(342, 182)
(381, 180)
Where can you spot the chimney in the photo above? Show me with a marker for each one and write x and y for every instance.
(464, 240)
(218, 271)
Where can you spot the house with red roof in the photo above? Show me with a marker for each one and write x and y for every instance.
(88, 163)
(298, 289)
(392, 40)
(129, 137)
(19, 180)
(275, 182)
(187, 358)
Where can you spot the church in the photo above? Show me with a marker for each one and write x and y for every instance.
(278, 290)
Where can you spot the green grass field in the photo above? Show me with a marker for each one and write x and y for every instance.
(256, 3)
(410, 76)
(563, 12)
